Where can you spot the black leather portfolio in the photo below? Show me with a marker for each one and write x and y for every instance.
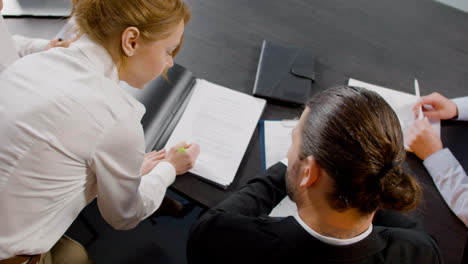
(165, 102)
(285, 74)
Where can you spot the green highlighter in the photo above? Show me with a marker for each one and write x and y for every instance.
(181, 150)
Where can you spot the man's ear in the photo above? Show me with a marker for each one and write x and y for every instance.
(130, 38)
(310, 172)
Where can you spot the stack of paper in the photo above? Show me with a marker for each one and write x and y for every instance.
(285, 208)
(277, 138)
(222, 122)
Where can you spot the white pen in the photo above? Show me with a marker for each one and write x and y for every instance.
(418, 95)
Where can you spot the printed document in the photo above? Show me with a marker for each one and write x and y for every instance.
(285, 208)
(277, 136)
(222, 122)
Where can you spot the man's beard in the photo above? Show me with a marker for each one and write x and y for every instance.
(291, 181)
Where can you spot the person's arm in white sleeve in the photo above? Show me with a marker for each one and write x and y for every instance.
(8, 53)
(451, 180)
(26, 46)
(462, 106)
(124, 197)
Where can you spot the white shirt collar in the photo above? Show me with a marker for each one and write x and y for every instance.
(331, 240)
(99, 57)
(102, 62)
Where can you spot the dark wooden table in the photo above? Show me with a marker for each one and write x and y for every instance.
(386, 42)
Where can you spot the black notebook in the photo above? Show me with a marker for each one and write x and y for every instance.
(285, 74)
(219, 119)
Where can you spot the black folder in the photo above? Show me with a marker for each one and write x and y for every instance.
(285, 74)
(165, 102)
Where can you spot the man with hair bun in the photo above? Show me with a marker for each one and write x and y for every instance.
(343, 171)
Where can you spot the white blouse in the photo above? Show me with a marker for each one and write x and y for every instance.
(11, 48)
(25, 46)
(8, 52)
(70, 133)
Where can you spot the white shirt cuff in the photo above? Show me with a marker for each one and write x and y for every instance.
(164, 173)
(439, 162)
(462, 106)
(153, 186)
(26, 46)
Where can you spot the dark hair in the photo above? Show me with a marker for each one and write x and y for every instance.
(355, 136)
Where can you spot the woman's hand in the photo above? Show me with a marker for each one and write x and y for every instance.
(183, 156)
(151, 160)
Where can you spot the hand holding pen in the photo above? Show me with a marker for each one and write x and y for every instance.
(440, 107)
(183, 156)
(420, 137)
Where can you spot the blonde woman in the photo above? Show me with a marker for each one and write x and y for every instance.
(71, 134)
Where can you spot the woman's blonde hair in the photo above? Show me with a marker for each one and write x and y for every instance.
(105, 20)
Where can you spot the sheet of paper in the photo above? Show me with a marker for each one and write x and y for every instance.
(8, 53)
(400, 102)
(222, 121)
(285, 208)
(277, 136)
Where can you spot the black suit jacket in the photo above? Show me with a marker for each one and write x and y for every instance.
(239, 231)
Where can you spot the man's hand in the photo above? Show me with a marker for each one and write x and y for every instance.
(442, 107)
(183, 156)
(151, 160)
(422, 139)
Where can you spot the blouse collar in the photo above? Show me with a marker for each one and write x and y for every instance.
(99, 57)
